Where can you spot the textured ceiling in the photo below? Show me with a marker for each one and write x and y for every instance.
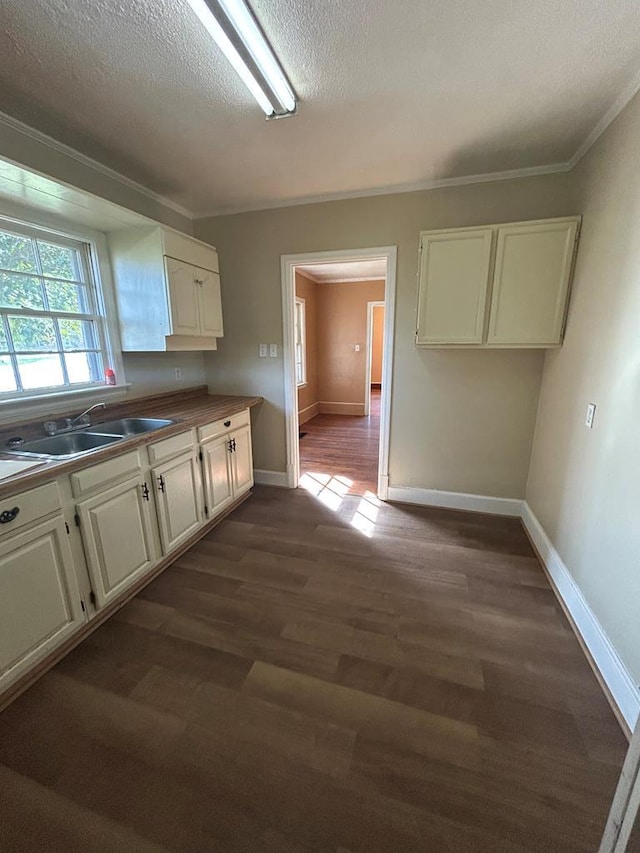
(345, 270)
(393, 94)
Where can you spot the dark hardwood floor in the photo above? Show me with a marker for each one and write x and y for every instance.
(360, 679)
(343, 446)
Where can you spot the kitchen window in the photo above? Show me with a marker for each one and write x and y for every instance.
(53, 335)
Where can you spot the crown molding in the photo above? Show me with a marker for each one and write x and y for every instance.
(419, 186)
(608, 118)
(89, 162)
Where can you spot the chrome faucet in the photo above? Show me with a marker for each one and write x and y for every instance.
(81, 420)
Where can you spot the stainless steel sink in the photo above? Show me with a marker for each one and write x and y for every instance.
(69, 444)
(131, 426)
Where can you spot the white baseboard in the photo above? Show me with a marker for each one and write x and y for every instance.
(271, 478)
(613, 671)
(328, 408)
(455, 500)
(311, 411)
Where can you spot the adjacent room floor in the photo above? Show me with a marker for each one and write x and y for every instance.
(343, 446)
(308, 677)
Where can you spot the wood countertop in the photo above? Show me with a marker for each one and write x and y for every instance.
(189, 409)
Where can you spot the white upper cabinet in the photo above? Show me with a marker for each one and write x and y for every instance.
(454, 270)
(498, 286)
(531, 282)
(168, 290)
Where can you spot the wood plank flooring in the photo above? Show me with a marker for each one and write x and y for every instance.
(298, 683)
(343, 446)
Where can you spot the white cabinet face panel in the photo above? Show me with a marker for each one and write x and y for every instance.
(216, 465)
(39, 599)
(179, 499)
(210, 304)
(242, 461)
(183, 297)
(117, 531)
(454, 277)
(531, 280)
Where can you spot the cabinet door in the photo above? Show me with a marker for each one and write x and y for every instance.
(531, 282)
(210, 303)
(217, 468)
(241, 460)
(183, 297)
(39, 599)
(454, 278)
(118, 536)
(179, 499)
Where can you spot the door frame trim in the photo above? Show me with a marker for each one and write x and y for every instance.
(288, 264)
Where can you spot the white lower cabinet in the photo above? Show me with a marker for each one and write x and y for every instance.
(178, 499)
(241, 461)
(117, 529)
(40, 604)
(227, 463)
(218, 483)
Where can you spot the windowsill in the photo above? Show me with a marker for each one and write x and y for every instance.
(38, 404)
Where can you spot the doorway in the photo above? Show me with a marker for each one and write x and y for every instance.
(329, 304)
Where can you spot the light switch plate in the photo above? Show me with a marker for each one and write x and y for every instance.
(273, 350)
(263, 350)
(591, 413)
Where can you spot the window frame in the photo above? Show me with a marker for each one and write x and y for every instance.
(95, 259)
(300, 325)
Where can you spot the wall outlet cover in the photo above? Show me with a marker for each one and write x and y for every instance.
(591, 413)
(273, 350)
(178, 374)
(263, 350)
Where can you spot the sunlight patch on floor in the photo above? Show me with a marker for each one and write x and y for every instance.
(330, 490)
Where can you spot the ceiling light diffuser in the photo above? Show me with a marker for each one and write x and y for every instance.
(233, 26)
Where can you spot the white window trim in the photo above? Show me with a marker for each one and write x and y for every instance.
(301, 307)
(58, 398)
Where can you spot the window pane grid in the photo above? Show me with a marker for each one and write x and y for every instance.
(51, 334)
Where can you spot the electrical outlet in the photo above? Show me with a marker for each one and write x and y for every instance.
(263, 350)
(178, 374)
(273, 350)
(591, 413)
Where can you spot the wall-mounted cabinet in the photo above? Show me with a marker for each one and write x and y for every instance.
(496, 286)
(168, 290)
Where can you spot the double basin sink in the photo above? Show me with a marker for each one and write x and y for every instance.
(85, 439)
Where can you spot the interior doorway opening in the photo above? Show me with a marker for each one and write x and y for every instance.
(338, 316)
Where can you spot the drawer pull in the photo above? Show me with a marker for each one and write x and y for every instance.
(227, 423)
(161, 484)
(9, 515)
(145, 491)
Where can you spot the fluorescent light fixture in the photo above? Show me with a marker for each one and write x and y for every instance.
(233, 26)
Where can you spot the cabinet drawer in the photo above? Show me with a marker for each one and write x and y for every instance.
(105, 473)
(213, 430)
(171, 446)
(30, 507)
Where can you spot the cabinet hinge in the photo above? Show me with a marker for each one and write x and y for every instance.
(67, 526)
(76, 518)
(92, 598)
(84, 609)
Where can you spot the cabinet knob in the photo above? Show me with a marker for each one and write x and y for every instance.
(227, 423)
(9, 515)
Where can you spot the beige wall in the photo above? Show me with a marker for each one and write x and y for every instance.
(342, 323)
(460, 421)
(308, 290)
(377, 343)
(584, 485)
